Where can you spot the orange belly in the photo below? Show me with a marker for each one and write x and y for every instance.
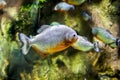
(43, 55)
(59, 47)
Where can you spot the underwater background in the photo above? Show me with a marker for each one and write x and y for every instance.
(26, 16)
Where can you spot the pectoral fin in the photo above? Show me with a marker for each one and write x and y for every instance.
(43, 55)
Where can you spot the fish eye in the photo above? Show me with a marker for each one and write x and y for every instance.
(74, 35)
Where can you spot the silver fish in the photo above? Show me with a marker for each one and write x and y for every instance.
(63, 6)
(86, 16)
(49, 41)
(105, 36)
(84, 45)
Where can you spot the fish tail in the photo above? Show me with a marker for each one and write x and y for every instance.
(118, 42)
(96, 46)
(55, 8)
(25, 43)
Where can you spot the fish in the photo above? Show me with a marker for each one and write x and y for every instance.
(63, 6)
(83, 44)
(86, 16)
(2, 4)
(105, 36)
(49, 41)
(75, 2)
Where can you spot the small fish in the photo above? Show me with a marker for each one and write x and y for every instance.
(86, 16)
(63, 6)
(49, 41)
(105, 36)
(2, 4)
(84, 45)
(75, 2)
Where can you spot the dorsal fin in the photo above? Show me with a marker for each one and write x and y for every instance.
(108, 31)
(42, 28)
(55, 23)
